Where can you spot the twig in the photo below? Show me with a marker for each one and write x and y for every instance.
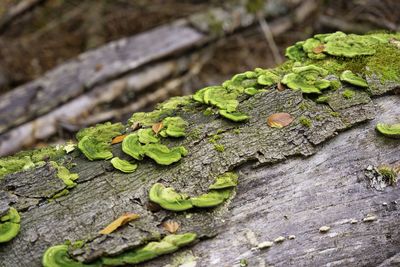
(270, 38)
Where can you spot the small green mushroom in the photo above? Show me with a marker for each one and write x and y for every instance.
(132, 146)
(308, 79)
(147, 136)
(9, 225)
(228, 179)
(123, 165)
(350, 77)
(163, 155)
(174, 127)
(389, 130)
(168, 198)
(65, 175)
(94, 149)
(57, 256)
(211, 199)
(234, 116)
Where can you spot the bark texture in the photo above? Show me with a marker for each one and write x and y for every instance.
(291, 183)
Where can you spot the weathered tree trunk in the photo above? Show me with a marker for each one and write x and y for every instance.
(292, 181)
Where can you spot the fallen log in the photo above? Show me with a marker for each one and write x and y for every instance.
(303, 185)
(138, 62)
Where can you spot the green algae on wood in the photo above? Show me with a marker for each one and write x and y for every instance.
(348, 94)
(168, 198)
(226, 180)
(123, 165)
(388, 173)
(57, 256)
(389, 130)
(167, 245)
(9, 225)
(349, 77)
(308, 79)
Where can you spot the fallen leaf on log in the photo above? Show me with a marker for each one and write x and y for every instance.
(279, 120)
(122, 220)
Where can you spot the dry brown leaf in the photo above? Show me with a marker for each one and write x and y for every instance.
(135, 126)
(279, 120)
(118, 139)
(319, 49)
(171, 226)
(157, 127)
(122, 220)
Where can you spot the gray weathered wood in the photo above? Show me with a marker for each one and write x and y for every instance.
(280, 191)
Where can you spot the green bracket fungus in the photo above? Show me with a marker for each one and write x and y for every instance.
(313, 47)
(102, 132)
(163, 155)
(296, 52)
(94, 142)
(308, 79)
(147, 136)
(267, 78)
(220, 97)
(132, 146)
(168, 198)
(174, 127)
(389, 130)
(168, 244)
(211, 199)
(65, 175)
(349, 77)
(228, 179)
(348, 94)
(9, 225)
(350, 45)
(57, 256)
(234, 116)
(322, 99)
(94, 149)
(123, 165)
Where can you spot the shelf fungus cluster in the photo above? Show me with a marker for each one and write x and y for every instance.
(57, 256)
(225, 97)
(336, 44)
(169, 199)
(9, 225)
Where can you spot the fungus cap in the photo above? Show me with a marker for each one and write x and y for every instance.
(168, 198)
(174, 127)
(123, 165)
(94, 149)
(234, 116)
(349, 77)
(163, 155)
(228, 179)
(390, 130)
(308, 79)
(132, 146)
(147, 136)
(57, 256)
(210, 199)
